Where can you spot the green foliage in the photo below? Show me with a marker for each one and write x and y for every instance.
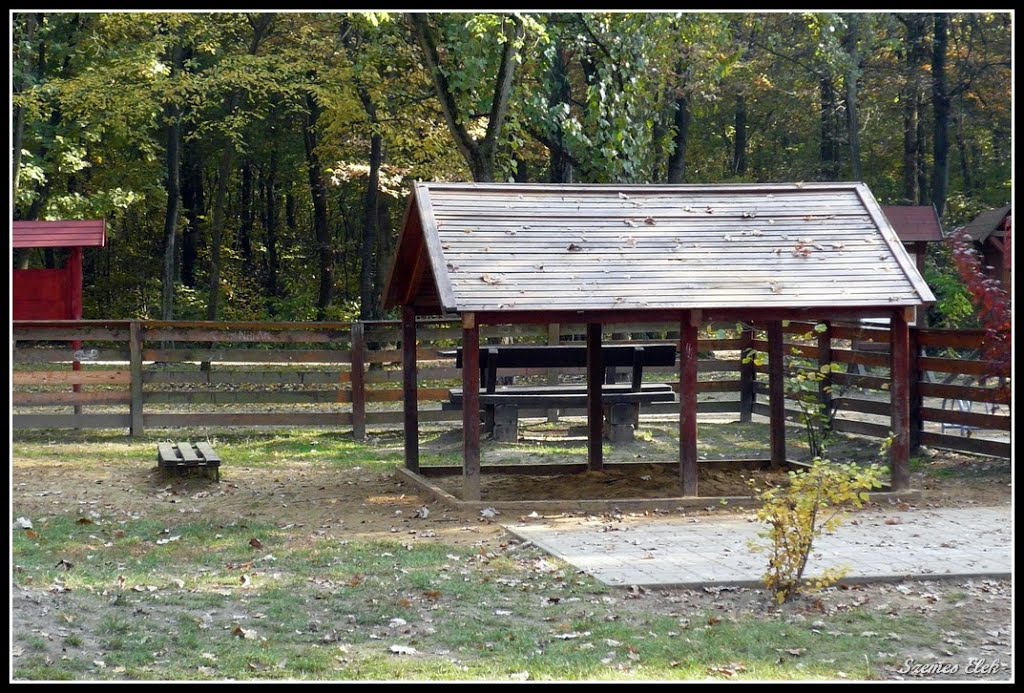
(96, 92)
(797, 514)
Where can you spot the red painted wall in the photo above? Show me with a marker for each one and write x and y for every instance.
(41, 294)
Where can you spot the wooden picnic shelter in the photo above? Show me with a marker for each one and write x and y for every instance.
(489, 253)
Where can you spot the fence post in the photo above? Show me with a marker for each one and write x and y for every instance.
(914, 388)
(746, 376)
(135, 351)
(358, 381)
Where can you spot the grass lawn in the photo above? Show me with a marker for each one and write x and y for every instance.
(307, 563)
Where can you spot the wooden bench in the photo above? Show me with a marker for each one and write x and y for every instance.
(621, 401)
(182, 457)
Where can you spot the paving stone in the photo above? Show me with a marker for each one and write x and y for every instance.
(881, 545)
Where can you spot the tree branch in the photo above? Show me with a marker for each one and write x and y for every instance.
(424, 36)
(503, 84)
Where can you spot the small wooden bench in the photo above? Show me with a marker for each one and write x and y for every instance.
(621, 401)
(182, 457)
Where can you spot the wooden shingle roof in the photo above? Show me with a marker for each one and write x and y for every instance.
(914, 223)
(986, 223)
(511, 247)
(58, 234)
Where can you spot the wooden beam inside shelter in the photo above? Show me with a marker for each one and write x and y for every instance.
(409, 390)
(595, 412)
(688, 406)
(470, 408)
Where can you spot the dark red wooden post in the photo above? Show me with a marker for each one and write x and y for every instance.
(357, 380)
(899, 389)
(595, 412)
(409, 390)
(470, 408)
(688, 405)
(747, 394)
(777, 392)
(73, 272)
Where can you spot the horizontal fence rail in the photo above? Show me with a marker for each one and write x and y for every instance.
(155, 374)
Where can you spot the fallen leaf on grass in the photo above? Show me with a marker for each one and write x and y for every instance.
(168, 540)
(423, 512)
(245, 580)
(255, 543)
(432, 595)
(520, 676)
(30, 534)
(209, 655)
(403, 650)
(64, 565)
(208, 671)
(244, 633)
(795, 651)
(728, 671)
(23, 523)
(893, 521)
(99, 664)
(489, 513)
(84, 521)
(17, 651)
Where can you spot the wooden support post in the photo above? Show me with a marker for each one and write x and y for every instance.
(470, 408)
(595, 411)
(135, 354)
(825, 359)
(899, 389)
(409, 390)
(747, 393)
(777, 393)
(554, 333)
(916, 398)
(357, 381)
(688, 406)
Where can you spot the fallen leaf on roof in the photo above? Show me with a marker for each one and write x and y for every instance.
(650, 221)
(749, 215)
(629, 222)
(573, 248)
(489, 279)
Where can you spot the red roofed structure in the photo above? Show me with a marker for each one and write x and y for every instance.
(53, 294)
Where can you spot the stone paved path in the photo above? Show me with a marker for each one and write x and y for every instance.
(710, 550)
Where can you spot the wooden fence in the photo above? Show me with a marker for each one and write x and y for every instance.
(139, 375)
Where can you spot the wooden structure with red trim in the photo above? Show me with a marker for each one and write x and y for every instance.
(689, 254)
(53, 294)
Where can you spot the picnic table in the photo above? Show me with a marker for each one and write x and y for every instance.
(502, 404)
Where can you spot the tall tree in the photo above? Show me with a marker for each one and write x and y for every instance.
(172, 115)
(940, 107)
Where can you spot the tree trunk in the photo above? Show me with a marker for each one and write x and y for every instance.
(17, 136)
(245, 225)
(367, 299)
(560, 94)
(680, 136)
(964, 154)
(270, 225)
(739, 148)
(940, 107)
(829, 148)
(192, 199)
(852, 75)
(912, 97)
(172, 113)
(318, 191)
(217, 221)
